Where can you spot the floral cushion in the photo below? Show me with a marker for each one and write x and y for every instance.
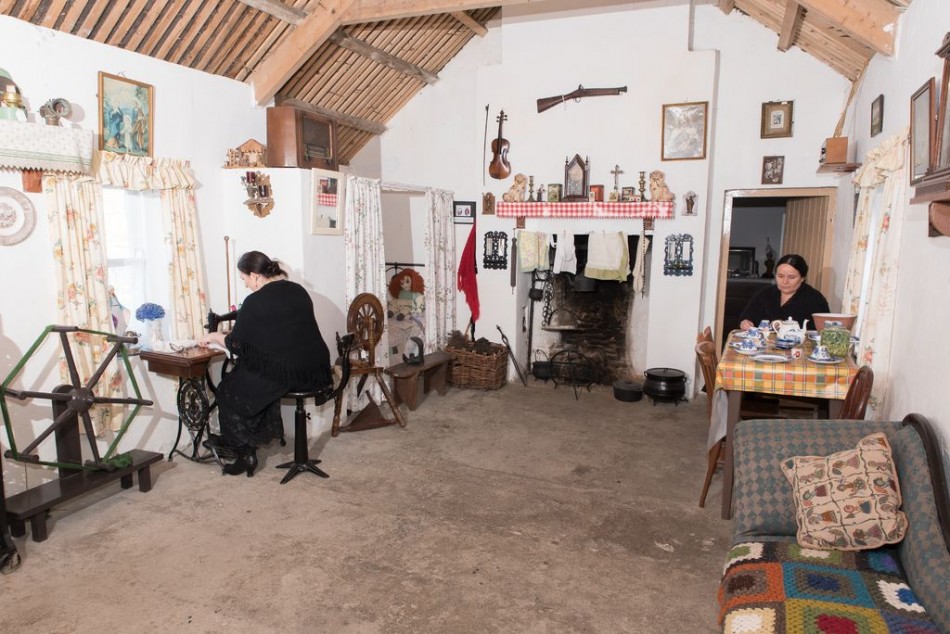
(849, 500)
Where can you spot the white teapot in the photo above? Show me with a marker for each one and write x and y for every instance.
(789, 329)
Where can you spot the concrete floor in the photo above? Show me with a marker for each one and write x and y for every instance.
(516, 510)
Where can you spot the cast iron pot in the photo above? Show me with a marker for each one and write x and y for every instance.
(629, 391)
(542, 370)
(664, 384)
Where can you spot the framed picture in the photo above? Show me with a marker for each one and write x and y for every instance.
(597, 193)
(773, 167)
(463, 212)
(684, 131)
(327, 202)
(776, 119)
(877, 115)
(125, 116)
(554, 193)
(922, 108)
(629, 194)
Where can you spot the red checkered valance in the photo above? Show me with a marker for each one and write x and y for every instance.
(602, 210)
(326, 200)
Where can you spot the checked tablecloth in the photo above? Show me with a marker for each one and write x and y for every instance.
(604, 210)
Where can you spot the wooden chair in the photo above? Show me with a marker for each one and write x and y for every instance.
(704, 335)
(856, 401)
(365, 320)
(708, 360)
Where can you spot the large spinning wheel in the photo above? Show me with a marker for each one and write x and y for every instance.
(364, 320)
(71, 402)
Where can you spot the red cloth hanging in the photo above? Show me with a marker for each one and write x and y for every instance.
(467, 280)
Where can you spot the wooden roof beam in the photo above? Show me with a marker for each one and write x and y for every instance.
(369, 51)
(296, 48)
(872, 22)
(726, 6)
(348, 120)
(471, 23)
(791, 25)
(375, 10)
(278, 9)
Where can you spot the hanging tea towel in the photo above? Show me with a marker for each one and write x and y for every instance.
(565, 260)
(607, 256)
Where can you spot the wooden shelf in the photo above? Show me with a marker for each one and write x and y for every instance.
(831, 168)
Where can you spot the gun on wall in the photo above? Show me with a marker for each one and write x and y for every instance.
(581, 92)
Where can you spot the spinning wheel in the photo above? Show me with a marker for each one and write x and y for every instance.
(71, 402)
(365, 320)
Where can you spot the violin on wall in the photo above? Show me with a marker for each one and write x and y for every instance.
(500, 168)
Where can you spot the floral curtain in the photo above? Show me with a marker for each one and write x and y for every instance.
(884, 168)
(440, 264)
(365, 261)
(82, 295)
(176, 183)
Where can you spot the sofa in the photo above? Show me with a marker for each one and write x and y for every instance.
(772, 584)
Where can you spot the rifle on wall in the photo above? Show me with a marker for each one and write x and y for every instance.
(549, 102)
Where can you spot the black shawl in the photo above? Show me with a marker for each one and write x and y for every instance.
(766, 304)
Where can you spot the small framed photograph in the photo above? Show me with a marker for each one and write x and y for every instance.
(922, 107)
(125, 116)
(773, 167)
(877, 115)
(597, 193)
(776, 119)
(629, 194)
(684, 131)
(327, 200)
(463, 212)
(554, 193)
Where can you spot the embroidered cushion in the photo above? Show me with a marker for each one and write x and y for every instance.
(849, 500)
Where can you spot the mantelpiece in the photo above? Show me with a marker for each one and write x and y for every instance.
(603, 210)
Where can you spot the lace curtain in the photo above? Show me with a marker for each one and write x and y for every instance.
(440, 267)
(175, 183)
(74, 203)
(884, 168)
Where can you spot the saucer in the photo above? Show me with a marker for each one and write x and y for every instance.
(786, 344)
(771, 358)
(828, 361)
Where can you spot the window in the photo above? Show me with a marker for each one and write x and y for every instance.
(137, 254)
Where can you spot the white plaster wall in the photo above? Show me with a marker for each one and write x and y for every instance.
(918, 372)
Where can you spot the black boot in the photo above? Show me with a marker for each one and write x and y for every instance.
(246, 462)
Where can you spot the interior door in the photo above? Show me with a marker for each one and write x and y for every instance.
(809, 229)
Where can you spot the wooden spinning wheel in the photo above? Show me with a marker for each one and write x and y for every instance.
(364, 320)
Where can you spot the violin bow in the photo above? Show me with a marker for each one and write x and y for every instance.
(485, 147)
(227, 267)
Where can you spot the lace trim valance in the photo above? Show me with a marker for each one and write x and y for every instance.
(143, 172)
(35, 146)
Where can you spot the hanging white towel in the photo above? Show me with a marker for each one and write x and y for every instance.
(607, 256)
(639, 270)
(532, 251)
(565, 260)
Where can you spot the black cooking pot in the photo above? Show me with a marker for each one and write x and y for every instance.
(542, 370)
(664, 384)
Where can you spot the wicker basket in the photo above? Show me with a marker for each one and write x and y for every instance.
(482, 371)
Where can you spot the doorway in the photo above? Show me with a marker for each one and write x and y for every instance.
(802, 218)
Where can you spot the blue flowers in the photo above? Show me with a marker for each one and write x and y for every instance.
(149, 311)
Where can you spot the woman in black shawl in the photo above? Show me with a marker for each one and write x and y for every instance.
(276, 347)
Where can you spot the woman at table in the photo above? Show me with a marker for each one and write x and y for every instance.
(790, 296)
(276, 347)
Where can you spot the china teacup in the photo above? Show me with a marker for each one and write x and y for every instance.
(748, 345)
(820, 353)
(765, 325)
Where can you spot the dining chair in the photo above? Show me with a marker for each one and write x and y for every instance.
(708, 360)
(704, 335)
(859, 392)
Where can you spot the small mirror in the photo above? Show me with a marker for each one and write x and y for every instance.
(678, 259)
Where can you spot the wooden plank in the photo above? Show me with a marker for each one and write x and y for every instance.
(126, 24)
(206, 31)
(28, 11)
(90, 22)
(791, 25)
(291, 53)
(234, 34)
(71, 17)
(249, 61)
(872, 22)
(475, 27)
(726, 6)
(374, 10)
(54, 14)
(279, 10)
(110, 18)
(173, 37)
(151, 21)
(382, 57)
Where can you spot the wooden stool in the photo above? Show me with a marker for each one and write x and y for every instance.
(434, 371)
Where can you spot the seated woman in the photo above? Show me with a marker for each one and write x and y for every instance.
(791, 296)
(277, 348)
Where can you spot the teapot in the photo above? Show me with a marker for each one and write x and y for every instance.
(789, 329)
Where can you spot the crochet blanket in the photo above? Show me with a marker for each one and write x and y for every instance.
(777, 587)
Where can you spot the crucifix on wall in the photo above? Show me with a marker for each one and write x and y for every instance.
(616, 171)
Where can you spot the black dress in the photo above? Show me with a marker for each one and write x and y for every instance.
(767, 304)
(277, 347)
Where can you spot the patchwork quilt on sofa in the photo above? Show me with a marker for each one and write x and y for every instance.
(777, 587)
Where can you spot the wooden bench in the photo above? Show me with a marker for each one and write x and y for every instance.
(434, 370)
(33, 504)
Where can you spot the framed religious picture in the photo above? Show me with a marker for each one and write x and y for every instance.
(554, 193)
(922, 108)
(463, 212)
(684, 131)
(629, 194)
(877, 115)
(773, 168)
(576, 179)
(125, 116)
(327, 202)
(776, 119)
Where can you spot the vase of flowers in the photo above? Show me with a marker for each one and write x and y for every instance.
(151, 315)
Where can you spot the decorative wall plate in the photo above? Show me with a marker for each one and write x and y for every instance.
(17, 216)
